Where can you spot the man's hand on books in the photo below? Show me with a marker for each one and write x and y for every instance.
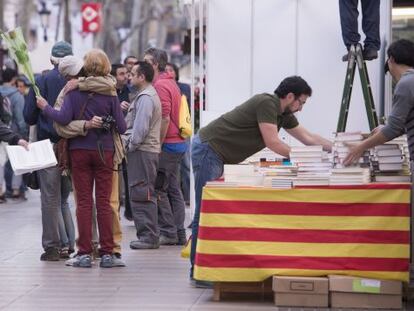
(41, 102)
(23, 143)
(355, 152)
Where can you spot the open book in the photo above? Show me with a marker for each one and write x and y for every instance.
(39, 156)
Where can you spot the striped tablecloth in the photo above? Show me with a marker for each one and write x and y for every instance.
(250, 234)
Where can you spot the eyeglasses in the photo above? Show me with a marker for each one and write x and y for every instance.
(301, 102)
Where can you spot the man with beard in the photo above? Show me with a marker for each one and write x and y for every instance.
(245, 130)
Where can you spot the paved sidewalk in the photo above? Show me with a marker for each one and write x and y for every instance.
(152, 280)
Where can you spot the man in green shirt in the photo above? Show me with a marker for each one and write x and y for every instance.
(245, 130)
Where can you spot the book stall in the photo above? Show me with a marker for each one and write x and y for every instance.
(308, 230)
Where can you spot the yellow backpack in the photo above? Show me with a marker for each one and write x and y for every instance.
(184, 119)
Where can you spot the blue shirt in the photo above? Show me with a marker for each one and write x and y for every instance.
(175, 147)
(50, 86)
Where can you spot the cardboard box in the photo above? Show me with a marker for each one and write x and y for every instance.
(354, 292)
(300, 291)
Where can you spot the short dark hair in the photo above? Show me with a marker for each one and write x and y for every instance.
(160, 57)
(295, 85)
(145, 69)
(8, 74)
(115, 67)
(24, 80)
(176, 70)
(128, 57)
(402, 51)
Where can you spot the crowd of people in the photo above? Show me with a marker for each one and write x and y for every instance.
(107, 113)
(97, 114)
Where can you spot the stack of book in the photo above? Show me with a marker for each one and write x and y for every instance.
(306, 154)
(313, 174)
(264, 155)
(340, 149)
(279, 176)
(242, 175)
(350, 176)
(389, 161)
(313, 165)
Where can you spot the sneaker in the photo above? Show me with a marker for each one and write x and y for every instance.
(200, 284)
(369, 54)
(51, 254)
(106, 261)
(164, 240)
(116, 261)
(80, 261)
(138, 244)
(64, 253)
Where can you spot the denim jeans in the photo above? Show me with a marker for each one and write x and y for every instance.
(185, 175)
(348, 11)
(207, 166)
(66, 226)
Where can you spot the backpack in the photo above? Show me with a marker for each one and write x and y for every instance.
(5, 110)
(184, 119)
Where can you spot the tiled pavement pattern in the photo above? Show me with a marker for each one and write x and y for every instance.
(152, 280)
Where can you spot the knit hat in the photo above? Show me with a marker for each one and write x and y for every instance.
(70, 65)
(61, 49)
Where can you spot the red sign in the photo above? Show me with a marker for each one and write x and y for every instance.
(91, 17)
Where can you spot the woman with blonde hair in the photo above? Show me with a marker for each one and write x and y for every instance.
(91, 158)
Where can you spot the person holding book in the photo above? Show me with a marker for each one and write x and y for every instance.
(400, 64)
(12, 138)
(53, 192)
(245, 130)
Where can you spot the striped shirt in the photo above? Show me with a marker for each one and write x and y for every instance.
(401, 118)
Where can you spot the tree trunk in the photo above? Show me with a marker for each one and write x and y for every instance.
(26, 8)
(136, 16)
(68, 26)
(108, 38)
(2, 14)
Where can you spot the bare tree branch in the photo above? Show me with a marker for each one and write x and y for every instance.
(135, 28)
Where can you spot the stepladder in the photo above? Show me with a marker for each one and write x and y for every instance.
(355, 59)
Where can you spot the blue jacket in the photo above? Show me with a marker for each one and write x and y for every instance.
(18, 123)
(50, 86)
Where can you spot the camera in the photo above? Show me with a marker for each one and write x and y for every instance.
(107, 123)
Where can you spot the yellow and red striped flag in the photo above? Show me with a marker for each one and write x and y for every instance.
(250, 234)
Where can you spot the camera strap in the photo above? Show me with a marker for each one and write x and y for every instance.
(101, 151)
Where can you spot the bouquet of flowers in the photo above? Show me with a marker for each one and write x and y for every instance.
(18, 51)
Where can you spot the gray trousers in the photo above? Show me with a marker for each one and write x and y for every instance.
(51, 199)
(142, 172)
(171, 206)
